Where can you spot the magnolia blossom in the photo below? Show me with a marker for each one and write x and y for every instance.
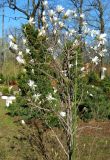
(20, 59)
(63, 114)
(102, 39)
(13, 45)
(45, 4)
(95, 60)
(20, 53)
(24, 41)
(59, 42)
(31, 84)
(82, 15)
(49, 97)
(61, 24)
(91, 95)
(75, 15)
(54, 19)
(51, 13)
(44, 19)
(59, 9)
(36, 96)
(9, 99)
(27, 51)
(75, 43)
(68, 13)
(11, 37)
(72, 32)
(31, 21)
(44, 13)
(42, 32)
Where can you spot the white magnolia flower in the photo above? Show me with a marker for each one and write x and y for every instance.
(51, 13)
(13, 45)
(91, 95)
(11, 37)
(42, 32)
(59, 9)
(82, 69)
(75, 15)
(24, 41)
(102, 36)
(70, 66)
(63, 114)
(59, 42)
(68, 13)
(27, 51)
(75, 43)
(36, 96)
(31, 84)
(95, 60)
(72, 32)
(9, 99)
(82, 15)
(44, 13)
(31, 21)
(44, 19)
(61, 24)
(23, 122)
(20, 59)
(20, 53)
(49, 97)
(45, 4)
(104, 50)
(54, 19)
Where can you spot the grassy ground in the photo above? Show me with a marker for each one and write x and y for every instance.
(93, 141)
(7, 130)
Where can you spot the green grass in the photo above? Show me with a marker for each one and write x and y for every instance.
(93, 148)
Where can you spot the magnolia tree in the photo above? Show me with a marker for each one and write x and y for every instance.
(51, 82)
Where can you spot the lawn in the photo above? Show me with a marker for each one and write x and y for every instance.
(93, 140)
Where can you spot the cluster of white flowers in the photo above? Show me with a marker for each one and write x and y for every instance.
(9, 99)
(12, 43)
(14, 46)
